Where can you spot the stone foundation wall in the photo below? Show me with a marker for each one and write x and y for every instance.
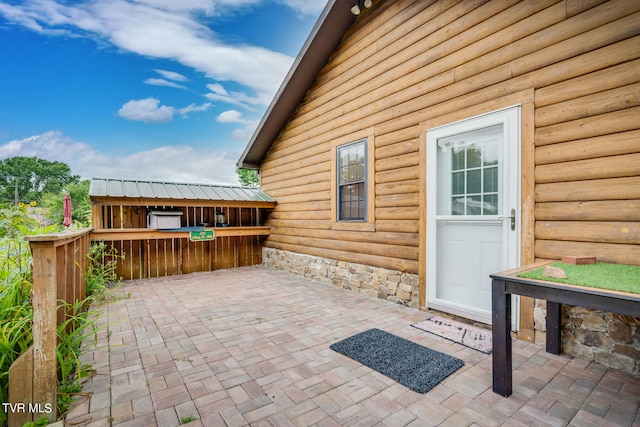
(391, 285)
(610, 339)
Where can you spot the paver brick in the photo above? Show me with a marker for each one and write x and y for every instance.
(300, 408)
(167, 417)
(232, 417)
(170, 400)
(261, 413)
(100, 401)
(142, 406)
(186, 410)
(259, 354)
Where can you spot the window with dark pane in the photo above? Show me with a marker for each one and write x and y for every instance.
(352, 176)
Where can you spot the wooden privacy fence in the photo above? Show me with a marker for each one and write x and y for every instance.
(155, 253)
(59, 266)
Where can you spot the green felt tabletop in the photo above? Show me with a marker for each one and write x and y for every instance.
(602, 275)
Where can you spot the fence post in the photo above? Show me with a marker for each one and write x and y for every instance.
(44, 301)
(57, 265)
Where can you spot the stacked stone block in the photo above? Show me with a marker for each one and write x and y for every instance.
(391, 285)
(610, 339)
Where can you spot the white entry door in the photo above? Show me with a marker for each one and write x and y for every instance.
(472, 211)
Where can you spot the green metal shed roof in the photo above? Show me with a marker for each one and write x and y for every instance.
(107, 187)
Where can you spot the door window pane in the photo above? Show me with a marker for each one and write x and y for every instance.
(457, 159)
(473, 164)
(490, 204)
(474, 181)
(474, 205)
(490, 153)
(457, 183)
(490, 180)
(474, 155)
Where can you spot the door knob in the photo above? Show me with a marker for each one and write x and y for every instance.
(512, 217)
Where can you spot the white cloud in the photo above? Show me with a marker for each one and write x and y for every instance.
(163, 29)
(194, 108)
(219, 93)
(149, 110)
(305, 7)
(230, 116)
(302, 7)
(205, 6)
(171, 75)
(233, 116)
(243, 134)
(179, 163)
(53, 145)
(163, 82)
(146, 110)
(236, 3)
(217, 89)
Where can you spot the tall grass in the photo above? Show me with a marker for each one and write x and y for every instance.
(16, 312)
(101, 270)
(15, 328)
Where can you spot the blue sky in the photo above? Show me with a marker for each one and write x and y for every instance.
(143, 89)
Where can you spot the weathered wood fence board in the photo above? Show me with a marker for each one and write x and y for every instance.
(59, 266)
(152, 253)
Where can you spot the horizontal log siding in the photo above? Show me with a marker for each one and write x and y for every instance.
(409, 62)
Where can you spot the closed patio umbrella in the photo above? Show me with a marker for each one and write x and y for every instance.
(67, 211)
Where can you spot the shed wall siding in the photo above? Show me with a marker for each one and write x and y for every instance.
(408, 63)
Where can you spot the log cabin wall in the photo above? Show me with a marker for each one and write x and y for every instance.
(573, 65)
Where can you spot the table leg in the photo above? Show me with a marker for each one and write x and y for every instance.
(501, 338)
(554, 339)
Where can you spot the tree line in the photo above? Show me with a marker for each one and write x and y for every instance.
(40, 185)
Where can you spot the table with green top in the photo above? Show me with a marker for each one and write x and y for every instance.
(597, 291)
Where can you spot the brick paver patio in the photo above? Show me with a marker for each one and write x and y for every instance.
(250, 346)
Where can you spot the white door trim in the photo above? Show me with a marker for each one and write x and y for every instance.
(511, 180)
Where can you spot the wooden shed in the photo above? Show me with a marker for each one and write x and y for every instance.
(422, 145)
(166, 228)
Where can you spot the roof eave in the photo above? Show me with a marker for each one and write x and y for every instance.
(335, 20)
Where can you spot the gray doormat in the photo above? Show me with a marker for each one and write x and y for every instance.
(462, 333)
(406, 362)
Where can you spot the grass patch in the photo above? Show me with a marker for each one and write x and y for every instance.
(602, 275)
